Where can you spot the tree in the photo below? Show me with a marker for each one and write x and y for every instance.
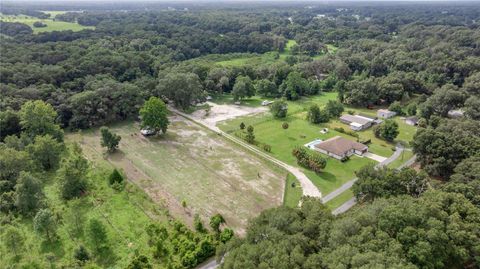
(44, 223)
(442, 100)
(279, 109)
(315, 115)
(75, 216)
(374, 183)
(140, 262)
(109, 139)
(242, 88)
(472, 108)
(28, 194)
(215, 222)
(334, 108)
(396, 107)
(13, 239)
(242, 125)
(81, 254)
(198, 224)
(46, 151)
(412, 109)
(38, 119)
(12, 163)
(294, 86)
(97, 234)
(154, 115)
(73, 175)
(387, 130)
(9, 123)
(182, 88)
(226, 235)
(266, 88)
(250, 137)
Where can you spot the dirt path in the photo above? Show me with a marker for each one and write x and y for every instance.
(308, 188)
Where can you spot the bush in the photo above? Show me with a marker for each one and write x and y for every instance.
(242, 126)
(226, 235)
(339, 129)
(81, 254)
(285, 125)
(115, 177)
(311, 160)
(39, 24)
(267, 148)
(279, 109)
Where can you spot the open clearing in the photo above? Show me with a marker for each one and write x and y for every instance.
(194, 165)
(221, 112)
(51, 24)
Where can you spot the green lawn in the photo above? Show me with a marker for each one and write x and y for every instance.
(405, 156)
(340, 199)
(51, 24)
(293, 191)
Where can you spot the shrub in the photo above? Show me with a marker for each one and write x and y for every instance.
(285, 125)
(279, 109)
(242, 126)
(311, 160)
(81, 254)
(267, 148)
(115, 177)
(250, 137)
(339, 129)
(226, 235)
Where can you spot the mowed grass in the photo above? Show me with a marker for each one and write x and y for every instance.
(51, 24)
(192, 164)
(269, 130)
(340, 199)
(293, 192)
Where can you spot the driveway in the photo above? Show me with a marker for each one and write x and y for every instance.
(374, 157)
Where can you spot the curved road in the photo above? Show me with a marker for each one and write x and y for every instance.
(308, 188)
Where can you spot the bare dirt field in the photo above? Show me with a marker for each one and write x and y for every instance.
(195, 165)
(221, 112)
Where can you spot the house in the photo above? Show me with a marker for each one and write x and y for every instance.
(411, 121)
(340, 148)
(385, 113)
(356, 122)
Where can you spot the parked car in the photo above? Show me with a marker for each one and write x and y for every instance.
(147, 132)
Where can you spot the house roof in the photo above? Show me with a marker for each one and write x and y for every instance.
(412, 119)
(355, 118)
(339, 145)
(385, 111)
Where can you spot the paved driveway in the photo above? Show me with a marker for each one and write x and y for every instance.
(374, 157)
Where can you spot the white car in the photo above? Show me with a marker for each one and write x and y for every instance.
(147, 132)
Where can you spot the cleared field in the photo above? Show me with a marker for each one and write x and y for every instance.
(194, 165)
(51, 24)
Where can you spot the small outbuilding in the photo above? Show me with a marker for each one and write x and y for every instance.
(339, 147)
(411, 121)
(385, 113)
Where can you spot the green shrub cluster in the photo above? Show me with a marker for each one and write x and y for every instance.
(311, 160)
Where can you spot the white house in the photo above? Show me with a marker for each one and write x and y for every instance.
(356, 122)
(385, 113)
(340, 148)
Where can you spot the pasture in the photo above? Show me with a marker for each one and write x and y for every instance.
(52, 25)
(193, 165)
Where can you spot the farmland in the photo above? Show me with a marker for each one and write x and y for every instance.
(52, 25)
(193, 166)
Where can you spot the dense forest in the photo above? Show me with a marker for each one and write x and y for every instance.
(423, 55)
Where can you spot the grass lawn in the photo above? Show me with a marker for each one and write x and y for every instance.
(194, 165)
(51, 24)
(269, 130)
(340, 199)
(405, 156)
(293, 194)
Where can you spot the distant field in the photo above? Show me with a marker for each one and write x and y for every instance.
(194, 165)
(51, 24)
(269, 57)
